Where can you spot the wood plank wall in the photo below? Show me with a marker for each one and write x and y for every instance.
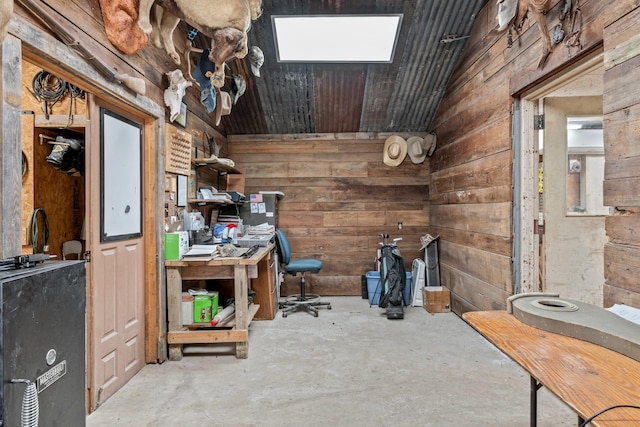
(471, 171)
(622, 155)
(339, 196)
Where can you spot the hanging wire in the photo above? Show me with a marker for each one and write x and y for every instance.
(34, 232)
(74, 92)
(49, 89)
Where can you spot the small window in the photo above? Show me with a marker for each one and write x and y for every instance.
(585, 166)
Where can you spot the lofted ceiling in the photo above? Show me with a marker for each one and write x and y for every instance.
(401, 96)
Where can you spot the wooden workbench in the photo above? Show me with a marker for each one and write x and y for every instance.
(586, 376)
(238, 269)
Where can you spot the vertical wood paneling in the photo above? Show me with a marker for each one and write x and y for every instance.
(622, 156)
(471, 170)
(471, 184)
(10, 152)
(338, 197)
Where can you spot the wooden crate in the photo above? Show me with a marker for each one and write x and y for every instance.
(436, 299)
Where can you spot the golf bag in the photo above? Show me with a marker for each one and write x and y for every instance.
(393, 280)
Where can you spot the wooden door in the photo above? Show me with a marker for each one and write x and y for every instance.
(573, 243)
(116, 273)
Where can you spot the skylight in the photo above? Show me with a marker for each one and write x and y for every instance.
(336, 38)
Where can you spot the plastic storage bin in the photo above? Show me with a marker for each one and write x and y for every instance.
(374, 287)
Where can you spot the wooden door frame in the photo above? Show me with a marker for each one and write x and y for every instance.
(528, 263)
(47, 52)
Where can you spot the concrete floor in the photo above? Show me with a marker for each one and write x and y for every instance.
(348, 367)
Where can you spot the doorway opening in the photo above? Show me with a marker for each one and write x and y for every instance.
(562, 234)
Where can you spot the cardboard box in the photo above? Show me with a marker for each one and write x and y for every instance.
(436, 299)
(186, 313)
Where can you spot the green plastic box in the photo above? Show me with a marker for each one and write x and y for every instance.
(175, 245)
(205, 307)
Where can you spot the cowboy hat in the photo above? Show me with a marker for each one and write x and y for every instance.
(395, 150)
(415, 149)
(426, 239)
(430, 143)
(223, 107)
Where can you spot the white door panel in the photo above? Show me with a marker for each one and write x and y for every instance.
(117, 324)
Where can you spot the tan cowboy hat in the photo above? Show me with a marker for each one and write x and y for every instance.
(430, 143)
(395, 150)
(415, 149)
(223, 105)
(426, 239)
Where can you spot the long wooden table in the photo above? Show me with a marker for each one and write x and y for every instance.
(238, 269)
(586, 376)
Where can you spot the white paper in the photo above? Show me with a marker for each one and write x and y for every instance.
(631, 314)
(199, 250)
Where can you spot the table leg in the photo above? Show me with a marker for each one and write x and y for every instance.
(174, 302)
(241, 288)
(533, 414)
(175, 352)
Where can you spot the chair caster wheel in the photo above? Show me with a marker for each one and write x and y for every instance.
(328, 307)
(315, 314)
(284, 314)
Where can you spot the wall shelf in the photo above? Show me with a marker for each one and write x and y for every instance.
(202, 202)
(214, 164)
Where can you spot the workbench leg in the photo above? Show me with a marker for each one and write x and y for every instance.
(175, 352)
(580, 420)
(242, 350)
(174, 308)
(533, 415)
(241, 285)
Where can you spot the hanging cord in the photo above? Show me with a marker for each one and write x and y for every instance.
(73, 92)
(48, 89)
(34, 232)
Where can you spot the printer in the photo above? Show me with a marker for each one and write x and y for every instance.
(237, 196)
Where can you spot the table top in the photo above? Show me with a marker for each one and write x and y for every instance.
(586, 376)
(252, 260)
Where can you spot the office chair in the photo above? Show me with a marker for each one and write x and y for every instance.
(72, 247)
(302, 300)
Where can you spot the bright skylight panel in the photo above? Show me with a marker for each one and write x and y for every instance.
(336, 38)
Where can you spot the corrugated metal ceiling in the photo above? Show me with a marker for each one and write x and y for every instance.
(324, 98)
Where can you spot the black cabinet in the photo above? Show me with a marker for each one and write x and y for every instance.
(42, 340)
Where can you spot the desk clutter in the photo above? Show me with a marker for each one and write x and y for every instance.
(226, 237)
